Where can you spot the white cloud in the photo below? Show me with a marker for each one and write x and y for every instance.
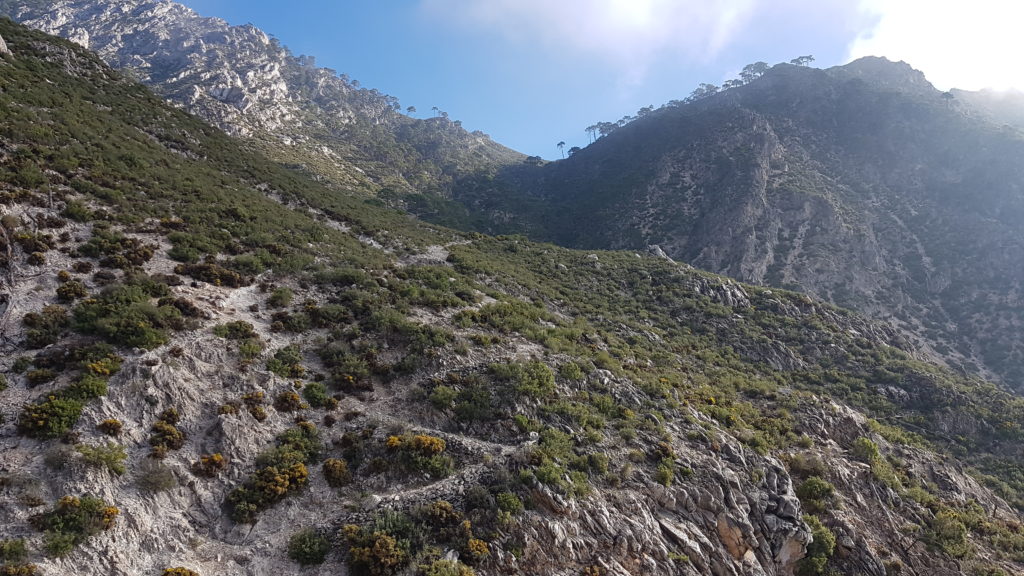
(957, 44)
(625, 32)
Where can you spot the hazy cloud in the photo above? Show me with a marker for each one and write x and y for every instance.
(624, 32)
(968, 45)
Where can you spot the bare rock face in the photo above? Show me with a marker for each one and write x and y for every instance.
(3, 47)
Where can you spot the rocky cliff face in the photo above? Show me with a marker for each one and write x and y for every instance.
(247, 83)
(861, 184)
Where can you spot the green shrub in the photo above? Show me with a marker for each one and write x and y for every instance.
(510, 503)
(45, 327)
(212, 273)
(443, 397)
(948, 533)
(532, 379)
(287, 362)
(570, 371)
(49, 418)
(40, 376)
(817, 495)
(72, 521)
(280, 297)
(307, 547)
(315, 394)
(13, 551)
(865, 450)
(110, 456)
(819, 551)
(237, 330)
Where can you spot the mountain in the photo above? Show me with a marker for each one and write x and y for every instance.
(1001, 107)
(212, 364)
(859, 184)
(247, 83)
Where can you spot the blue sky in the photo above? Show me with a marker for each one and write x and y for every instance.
(532, 73)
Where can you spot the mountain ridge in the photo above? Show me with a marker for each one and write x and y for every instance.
(818, 180)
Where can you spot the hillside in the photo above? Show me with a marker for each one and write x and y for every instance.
(215, 365)
(860, 184)
(245, 82)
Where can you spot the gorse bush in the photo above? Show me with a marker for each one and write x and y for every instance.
(282, 470)
(72, 521)
(336, 472)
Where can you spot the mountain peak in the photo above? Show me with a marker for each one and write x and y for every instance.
(882, 72)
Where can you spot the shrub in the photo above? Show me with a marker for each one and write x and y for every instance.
(40, 376)
(287, 362)
(280, 297)
(19, 570)
(12, 551)
(45, 327)
(123, 314)
(817, 495)
(71, 291)
(448, 568)
(336, 472)
(376, 553)
(209, 465)
(179, 571)
(570, 371)
(110, 456)
(165, 435)
(238, 330)
(49, 418)
(212, 273)
(443, 397)
(315, 394)
(510, 503)
(283, 471)
(476, 551)
(865, 450)
(308, 547)
(532, 379)
(288, 401)
(155, 476)
(947, 532)
(110, 427)
(421, 453)
(72, 521)
(819, 551)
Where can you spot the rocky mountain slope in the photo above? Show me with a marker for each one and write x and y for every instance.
(860, 184)
(213, 365)
(245, 82)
